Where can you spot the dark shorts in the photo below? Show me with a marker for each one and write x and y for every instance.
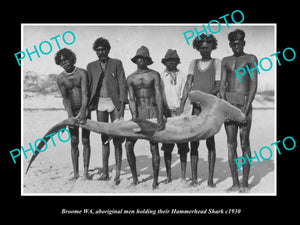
(147, 112)
(183, 148)
(75, 130)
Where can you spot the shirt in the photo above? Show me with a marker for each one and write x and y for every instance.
(173, 85)
(203, 66)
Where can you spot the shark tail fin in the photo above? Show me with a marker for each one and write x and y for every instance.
(41, 144)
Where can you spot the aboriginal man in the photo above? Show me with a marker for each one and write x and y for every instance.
(107, 87)
(73, 85)
(204, 75)
(145, 102)
(241, 94)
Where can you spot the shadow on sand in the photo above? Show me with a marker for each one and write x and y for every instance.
(221, 173)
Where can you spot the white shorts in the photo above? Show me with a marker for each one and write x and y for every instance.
(106, 104)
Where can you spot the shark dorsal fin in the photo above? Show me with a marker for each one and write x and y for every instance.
(146, 127)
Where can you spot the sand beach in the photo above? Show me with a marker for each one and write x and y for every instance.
(52, 169)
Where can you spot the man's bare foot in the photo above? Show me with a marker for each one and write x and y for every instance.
(117, 180)
(87, 177)
(75, 177)
(104, 177)
(211, 184)
(244, 190)
(168, 180)
(154, 185)
(194, 183)
(134, 183)
(233, 188)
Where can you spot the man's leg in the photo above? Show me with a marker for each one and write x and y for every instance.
(74, 131)
(155, 163)
(168, 148)
(245, 145)
(183, 149)
(231, 132)
(129, 145)
(194, 161)
(102, 116)
(210, 143)
(86, 150)
(118, 149)
(86, 153)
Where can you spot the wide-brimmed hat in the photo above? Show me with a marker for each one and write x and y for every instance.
(142, 52)
(171, 54)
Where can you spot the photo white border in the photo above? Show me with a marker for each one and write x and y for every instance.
(150, 194)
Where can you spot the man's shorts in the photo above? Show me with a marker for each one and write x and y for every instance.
(147, 112)
(238, 100)
(182, 147)
(106, 104)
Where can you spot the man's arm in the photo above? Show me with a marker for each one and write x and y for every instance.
(132, 105)
(122, 88)
(85, 97)
(217, 65)
(66, 100)
(186, 91)
(166, 109)
(222, 88)
(252, 86)
(159, 101)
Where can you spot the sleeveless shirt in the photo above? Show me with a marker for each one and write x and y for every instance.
(204, 80)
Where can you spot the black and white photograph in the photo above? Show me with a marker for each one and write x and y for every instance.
(159, 109)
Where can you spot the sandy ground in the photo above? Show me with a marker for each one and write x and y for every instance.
(52, 169)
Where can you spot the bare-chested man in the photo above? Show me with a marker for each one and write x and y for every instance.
(240, 94)
(145, 102)
(73, 85)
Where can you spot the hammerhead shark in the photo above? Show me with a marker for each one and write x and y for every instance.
(183, 128)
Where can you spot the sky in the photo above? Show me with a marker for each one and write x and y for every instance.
(158, 38)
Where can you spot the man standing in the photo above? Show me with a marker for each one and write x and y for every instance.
(240, 94)
(145, 102)
(173, 82)
(73, 85)
(107, 96)
(203, 75)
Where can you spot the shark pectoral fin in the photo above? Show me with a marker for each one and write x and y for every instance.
(205, 100)
(145, 127)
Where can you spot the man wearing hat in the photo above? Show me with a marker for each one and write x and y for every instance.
(173, 82)
(145, 102)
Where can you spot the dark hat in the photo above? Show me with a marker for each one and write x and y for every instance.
(171, 54)
(142, 52)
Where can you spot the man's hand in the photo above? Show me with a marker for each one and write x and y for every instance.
(81, 118)
(161, 124)
(179, 111)
(120, 113)
(246, 111)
